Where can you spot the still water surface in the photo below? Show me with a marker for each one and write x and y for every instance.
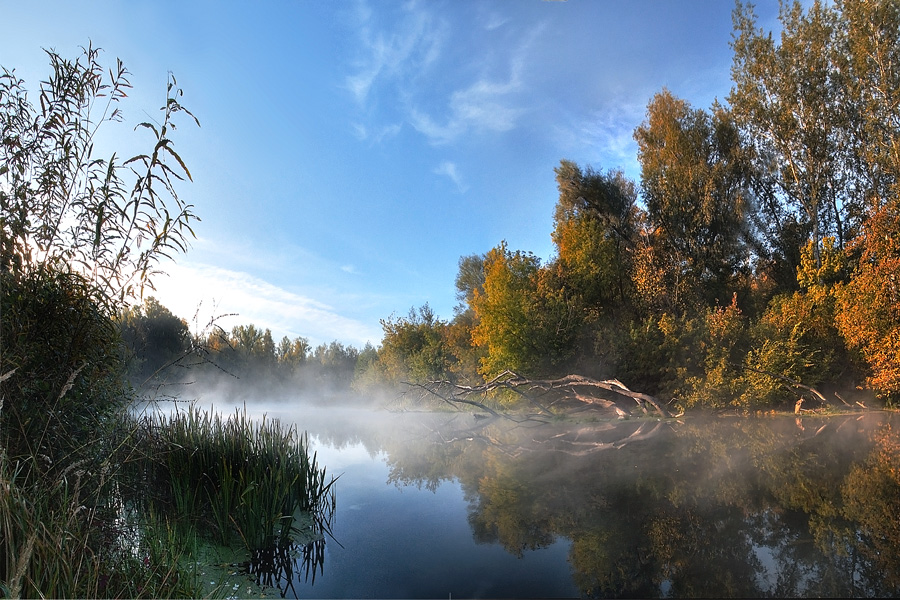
(442, 506)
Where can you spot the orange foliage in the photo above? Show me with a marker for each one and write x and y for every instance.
(868, 308)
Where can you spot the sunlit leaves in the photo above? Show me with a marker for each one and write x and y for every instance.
(694, 177)
(526, 321)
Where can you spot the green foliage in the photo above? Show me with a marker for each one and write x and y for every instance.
(244, 479)
(61, 367)
(413, 348)
(723, 345)
(823, 267)
(526, 321)
(594, 229)
(660, 355)
(792, 99)
(469, 279)
(694, 178)
(62, 540)
(796, 338)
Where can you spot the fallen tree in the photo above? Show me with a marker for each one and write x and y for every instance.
(549, 396)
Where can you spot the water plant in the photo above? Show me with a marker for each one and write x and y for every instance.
(242, 480)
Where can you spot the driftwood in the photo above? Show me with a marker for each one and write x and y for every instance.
(796, 384)
(572, 392)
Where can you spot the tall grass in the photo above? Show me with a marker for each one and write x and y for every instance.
(132, 526)
(56, 543)
(242, 480)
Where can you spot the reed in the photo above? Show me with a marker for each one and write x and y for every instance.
(54, 545)
(134, 522)
(243, 480)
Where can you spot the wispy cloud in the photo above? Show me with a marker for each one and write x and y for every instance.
(483, 106)
(377, 135)
(407, 64)
(393, 54)
(449, 169)
(608, 134)
(208, 291)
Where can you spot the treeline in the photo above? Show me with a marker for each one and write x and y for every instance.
(163, 355)
(759, 250)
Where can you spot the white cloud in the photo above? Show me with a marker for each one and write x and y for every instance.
(397, 67)
(208, 292)
(489, 104)
(394, 55)
(363, 133)
(607, 134)
(483, 106)
(449, 169)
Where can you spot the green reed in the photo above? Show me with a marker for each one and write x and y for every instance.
(61, 539)
(239, 478)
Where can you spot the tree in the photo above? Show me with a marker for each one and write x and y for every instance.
(469, 279)
(334, 365)
(694, 180)
(154, 337)
(792, 100)
(61, 206)
(868, 307)
(868, 53)
(292, 354)
(595, 231)
(525, 320)
(413, 348)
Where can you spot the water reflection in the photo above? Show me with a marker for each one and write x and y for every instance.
(697, 507)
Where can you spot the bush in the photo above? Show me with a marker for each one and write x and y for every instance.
(62, 367)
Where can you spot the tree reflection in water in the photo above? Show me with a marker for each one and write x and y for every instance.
(697, 507)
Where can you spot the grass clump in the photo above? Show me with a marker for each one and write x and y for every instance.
(237, 480)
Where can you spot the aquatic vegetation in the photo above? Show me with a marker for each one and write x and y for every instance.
(240, 479)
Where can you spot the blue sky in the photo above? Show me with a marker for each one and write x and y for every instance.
(350, 152)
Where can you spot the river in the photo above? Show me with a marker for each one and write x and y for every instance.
(457, 505)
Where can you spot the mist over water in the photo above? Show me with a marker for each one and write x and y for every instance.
(440, 504)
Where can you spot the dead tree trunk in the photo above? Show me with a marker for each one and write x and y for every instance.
(545, 394)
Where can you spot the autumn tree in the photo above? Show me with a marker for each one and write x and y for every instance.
(525, 320)
(594, 230)
(292, 354)
(869, 305)
(694, 180)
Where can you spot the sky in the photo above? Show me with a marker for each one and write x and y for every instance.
(350, 152)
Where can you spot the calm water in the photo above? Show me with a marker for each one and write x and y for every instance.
(441, 506)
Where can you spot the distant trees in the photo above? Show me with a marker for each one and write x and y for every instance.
(153, 338)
